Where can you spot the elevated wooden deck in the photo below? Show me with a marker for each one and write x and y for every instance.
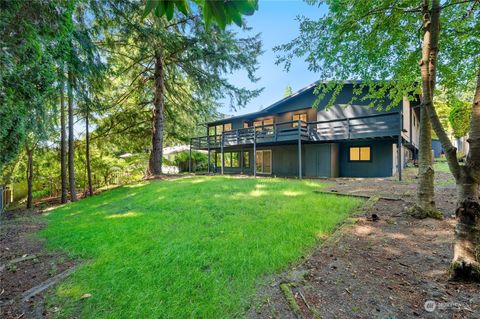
(372, 126)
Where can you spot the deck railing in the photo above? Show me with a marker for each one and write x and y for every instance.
(370, 126)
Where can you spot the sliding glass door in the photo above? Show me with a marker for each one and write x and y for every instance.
(264, 162)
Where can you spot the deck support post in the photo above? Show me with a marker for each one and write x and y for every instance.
(208, 165)
(399, 157)
(190, 158)
(399, 147)
(222, 163)
(241, 160)
(254, 152)
(208, 149)
(299, 126)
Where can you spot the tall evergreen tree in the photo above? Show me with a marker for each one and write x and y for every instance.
(162, 54)
(288, 91)
(27, 69)
(63, 140)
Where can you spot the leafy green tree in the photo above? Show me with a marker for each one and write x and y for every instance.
(386, 40)
(379, 33)
(220, 12)
(459, 117)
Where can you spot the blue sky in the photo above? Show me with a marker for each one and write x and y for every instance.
(276, 21)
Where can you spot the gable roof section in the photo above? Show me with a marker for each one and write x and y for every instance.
(271, 109)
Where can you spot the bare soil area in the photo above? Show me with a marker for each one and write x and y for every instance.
(31, 264)
(377, 269)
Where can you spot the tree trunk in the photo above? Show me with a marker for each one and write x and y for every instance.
(155, 162)
(425, 206)
(71, 154)
(466, 255)
(63, 142)
(466, 258)
(29, 178)
(87, 154)
(426, 175)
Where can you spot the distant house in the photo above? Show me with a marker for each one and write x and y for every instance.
(437, 148)
(171, 151)
(290, 138)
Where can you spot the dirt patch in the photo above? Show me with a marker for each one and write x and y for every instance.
(384, 269)
(17, 240)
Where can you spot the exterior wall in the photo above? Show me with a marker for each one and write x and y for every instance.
(407, 155)
(411, 123)
(321, 160)
(437, 148)
(381, 164)
(328, 160)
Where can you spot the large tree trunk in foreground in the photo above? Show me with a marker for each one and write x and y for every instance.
(466, 260)
(71, 146)
(87, 155)
(63, 142)
(425, 206)
(29, 177)
(155, 163)
(466, 254)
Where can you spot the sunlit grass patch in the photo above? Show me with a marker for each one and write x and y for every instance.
(186, 248)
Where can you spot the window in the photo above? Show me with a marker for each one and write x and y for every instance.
(246, 159)
(211, 131)
(218, 160)
(268, 121)
(235, 162)
(263, 161)
(227, 159)
(219, 129)
(245, 125)
(230, 159)
(360, 154)
(301, 116)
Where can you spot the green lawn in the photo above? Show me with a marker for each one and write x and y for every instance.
(186, 248)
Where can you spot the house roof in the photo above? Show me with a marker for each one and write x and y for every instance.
(271, 108)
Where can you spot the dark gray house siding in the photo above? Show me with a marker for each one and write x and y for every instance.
(380, 165)
(326, 135)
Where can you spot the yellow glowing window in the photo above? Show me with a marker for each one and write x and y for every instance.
(360, 154)
(302, 117)
(267, 121)
(227, 127)
(245, 125)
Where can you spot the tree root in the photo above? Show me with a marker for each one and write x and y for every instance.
(462, 270)
(420, 213)
(292, 303)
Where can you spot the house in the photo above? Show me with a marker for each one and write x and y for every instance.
(291, 138)
(437, 148)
